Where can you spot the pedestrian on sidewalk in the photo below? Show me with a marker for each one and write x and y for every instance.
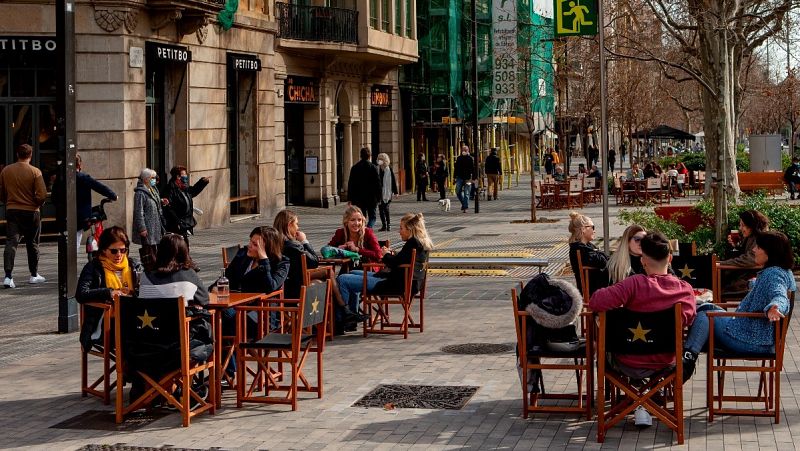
(148, 217)
(179, 212)
(364, 187)
(464, 173)
(421, 172)
(388, 189)
(494, 170)
(23, 192)
(622, 149)
(440, 176)
(612, 159)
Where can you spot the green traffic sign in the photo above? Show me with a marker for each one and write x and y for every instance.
(575, 17)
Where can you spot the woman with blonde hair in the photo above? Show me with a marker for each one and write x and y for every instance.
(415, 235)
(388, 188)
(356, 237)
(627, 260)
(581, 229)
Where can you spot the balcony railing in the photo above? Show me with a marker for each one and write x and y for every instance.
(317, 23)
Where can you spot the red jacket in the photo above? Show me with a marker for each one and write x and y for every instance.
(370, 251)
(641, 293)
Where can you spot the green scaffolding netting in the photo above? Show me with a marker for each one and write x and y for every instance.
(440, 80)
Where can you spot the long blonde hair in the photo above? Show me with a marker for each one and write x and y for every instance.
(577, 222)
(619, 265)
(348, 213)
(282, 221)
(415, 223)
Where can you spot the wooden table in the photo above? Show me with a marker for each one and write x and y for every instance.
(218, 305)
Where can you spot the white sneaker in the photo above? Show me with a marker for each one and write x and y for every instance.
(642, 418)
(37, 279)
(8, 282)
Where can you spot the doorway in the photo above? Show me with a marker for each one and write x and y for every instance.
(166, 114)
(295, 149)
(242, 147)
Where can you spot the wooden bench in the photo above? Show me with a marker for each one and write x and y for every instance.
(757, 181)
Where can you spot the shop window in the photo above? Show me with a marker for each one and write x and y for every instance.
(23, 83)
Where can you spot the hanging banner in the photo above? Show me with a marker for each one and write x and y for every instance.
(504, 54)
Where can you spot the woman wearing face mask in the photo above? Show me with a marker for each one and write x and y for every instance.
(627, 261)
(179, 212)
(148, 218)
(388, 188)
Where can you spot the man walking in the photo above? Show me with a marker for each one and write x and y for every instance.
(23, 192)
(84, 185)
(421, 172)
(792, 176)
(612, 159)
(364, 187)
(464, 171)
(494, 170)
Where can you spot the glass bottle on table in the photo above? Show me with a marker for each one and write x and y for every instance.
(223, 287)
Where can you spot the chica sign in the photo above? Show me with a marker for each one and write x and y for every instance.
(302, 90)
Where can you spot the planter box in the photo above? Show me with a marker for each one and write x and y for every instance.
(687, 216)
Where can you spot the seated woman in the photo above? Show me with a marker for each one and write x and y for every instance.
(773, 251)
(581, 230)
(174, 274)
(260, 267)
(110, 273)
(356, 237)
(751, 223)
(627, 261)
(295, 245)
(391, 280)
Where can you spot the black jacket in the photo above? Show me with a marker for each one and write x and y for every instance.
(364, 185)
(92, 288)
(395, 278)
(294, 250)
(179, 214)
(464, 167)
(591, 256)
(493, 165)
(421, 169)
(439, 170)
(84, 185)
(264, 278)
(792, 173)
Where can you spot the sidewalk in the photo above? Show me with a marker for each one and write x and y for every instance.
(41, 371)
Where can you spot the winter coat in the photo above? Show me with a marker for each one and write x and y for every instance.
(591, 256)
(179, 213)
(266, 277)
(493, 165)
(394, 276)
(294, 250)
(364, 185)
(421, 169)
(464, 167)
(147, 216)
(92, 288)
(84, 185)
(440, 171)
(388, 185)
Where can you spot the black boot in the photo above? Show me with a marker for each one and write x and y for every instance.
(689, 362)
(388, 227)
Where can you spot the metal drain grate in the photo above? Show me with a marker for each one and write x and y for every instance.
(452, 397)
(477, 348)
(104, 420)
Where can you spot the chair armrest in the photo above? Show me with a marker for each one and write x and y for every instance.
(727, 305)
(274, 294)
(367, 266)
(100, 305)
(743, 268)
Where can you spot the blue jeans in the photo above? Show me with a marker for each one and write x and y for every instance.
(350, 286)
(461, 184)
(698, 334)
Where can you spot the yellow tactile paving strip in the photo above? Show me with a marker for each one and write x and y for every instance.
(469, 272)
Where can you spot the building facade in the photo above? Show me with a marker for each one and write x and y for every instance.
(272, 109)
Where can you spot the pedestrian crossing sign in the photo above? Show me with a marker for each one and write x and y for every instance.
(575, 17)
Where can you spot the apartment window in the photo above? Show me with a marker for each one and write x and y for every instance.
(398, 17)
(385, 12)
(409, 17)
(373, 14)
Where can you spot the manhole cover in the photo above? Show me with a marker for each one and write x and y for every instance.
(451, 397)
(104, 420)
(478, 348)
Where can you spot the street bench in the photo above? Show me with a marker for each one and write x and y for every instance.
(758, 181)
(486, 262)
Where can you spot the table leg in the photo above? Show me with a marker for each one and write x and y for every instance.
(218, 358)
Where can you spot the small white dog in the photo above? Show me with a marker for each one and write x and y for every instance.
(444, 204)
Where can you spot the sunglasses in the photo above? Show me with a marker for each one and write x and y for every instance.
(592, 226)
(637, 238)
(115, 251)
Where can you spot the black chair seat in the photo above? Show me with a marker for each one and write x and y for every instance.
(275, 341)
(726, 354)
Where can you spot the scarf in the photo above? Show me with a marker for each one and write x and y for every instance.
(110, 269)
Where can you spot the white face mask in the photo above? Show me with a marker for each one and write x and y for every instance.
(381, 163)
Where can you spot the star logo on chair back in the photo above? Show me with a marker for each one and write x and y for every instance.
(147, 320)
(639, 333)
(686, 271)
(315, 306)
